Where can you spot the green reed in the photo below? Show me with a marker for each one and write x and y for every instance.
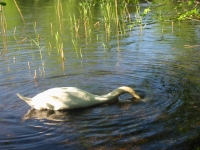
(114, 19)
(19, 10)
(77, 48)
(85, 19)
(36, 40)
(59, 46)
(59, 12)
(3, 29)
(74, 25)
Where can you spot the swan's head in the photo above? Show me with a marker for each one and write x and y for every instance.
(129, 90)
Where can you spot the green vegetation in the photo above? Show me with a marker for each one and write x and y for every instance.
(115, 19)
(188, 11)
(36, 40)
(2, 3)
(90, 21)
(3, 28)
(74, 30)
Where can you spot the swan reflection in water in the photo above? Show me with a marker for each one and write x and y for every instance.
(121, 103)
(46, 114)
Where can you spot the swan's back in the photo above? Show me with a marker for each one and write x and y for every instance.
(64, 98)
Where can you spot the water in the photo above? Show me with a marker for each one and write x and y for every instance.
(161, 62)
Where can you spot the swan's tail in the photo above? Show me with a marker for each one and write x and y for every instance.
(26, 99)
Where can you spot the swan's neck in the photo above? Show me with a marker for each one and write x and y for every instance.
(114, 94)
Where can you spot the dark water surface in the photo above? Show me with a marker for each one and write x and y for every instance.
(161, 62)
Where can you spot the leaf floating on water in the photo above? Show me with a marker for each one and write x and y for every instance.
(2, 3)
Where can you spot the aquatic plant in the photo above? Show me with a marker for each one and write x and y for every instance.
(114, 19)
(192, 13)
(3, 29)
(19, 10)
(36, 40)
(59, 12)
(59, 45)
(2, 3)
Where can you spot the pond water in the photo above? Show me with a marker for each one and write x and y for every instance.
(56, 46)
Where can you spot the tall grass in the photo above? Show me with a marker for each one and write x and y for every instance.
(3, 30)
(59, 12)
(36, 40)
(113, 20)
(104, 19)
(19, 10)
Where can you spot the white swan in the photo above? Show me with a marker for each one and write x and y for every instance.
(70, 97)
